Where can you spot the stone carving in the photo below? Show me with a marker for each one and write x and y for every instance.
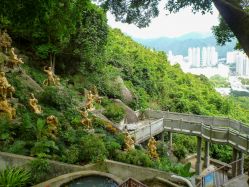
(52, 78)
(129, 143)
(13, 59)
(86, 121)
(5, 87)
(152, 148)
(96, 96)
(6, 108)
(33, 102)
(89, 101)
(5, 41)
(52, 122)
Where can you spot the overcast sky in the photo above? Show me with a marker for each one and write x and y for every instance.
(172, 25)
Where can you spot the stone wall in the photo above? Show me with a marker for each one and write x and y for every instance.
(121, 170)
(57, 168)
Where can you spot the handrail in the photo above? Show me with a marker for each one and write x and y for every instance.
(209, 120)
(209, 131)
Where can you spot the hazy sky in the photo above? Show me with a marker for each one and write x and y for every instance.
(170, 26)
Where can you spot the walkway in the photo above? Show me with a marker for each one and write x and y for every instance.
(214, 129)
(211, 129)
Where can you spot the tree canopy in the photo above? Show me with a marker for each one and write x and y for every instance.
(233, 12)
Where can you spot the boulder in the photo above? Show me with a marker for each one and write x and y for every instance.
(126, 94)
(130, 115)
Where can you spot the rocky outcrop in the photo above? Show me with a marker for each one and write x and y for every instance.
(130, 115)
(126, 94)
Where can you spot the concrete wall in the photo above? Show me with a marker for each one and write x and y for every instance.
(118, 169)
(57, 168)
(240, 181)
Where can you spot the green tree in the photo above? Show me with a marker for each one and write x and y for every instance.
(140, 12)
(47, 25)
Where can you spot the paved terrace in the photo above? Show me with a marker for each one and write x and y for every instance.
(211, 129)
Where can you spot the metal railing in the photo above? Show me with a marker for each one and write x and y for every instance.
(132, 183)
(220, 176)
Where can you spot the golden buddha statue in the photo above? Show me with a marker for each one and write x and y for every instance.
(5, 108)
(129, 143)
(13, 59)
(86, 121)
(52, 78)
(5, 87)
(5, 41)
(33, 102)
(152, 148)
(89, 101)
(52, 122)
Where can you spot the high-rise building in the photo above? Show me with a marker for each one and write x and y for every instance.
(242, 64)
(194, 57)
(209, 56)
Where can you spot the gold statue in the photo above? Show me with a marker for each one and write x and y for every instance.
(33, 102)
(152, 148)
(96, 96)
(86, 121)
(13, 59)
(52, 122)
(5, 41)
(5, 87)
(89, 101)
(52, 78)
(6, 108)
(129, 143)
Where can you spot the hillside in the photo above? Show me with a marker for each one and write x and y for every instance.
(68, 123)
(180, 45)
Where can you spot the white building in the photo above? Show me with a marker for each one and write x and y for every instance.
(242, 63)
(206, 58)
(209, 56)
(194, 57)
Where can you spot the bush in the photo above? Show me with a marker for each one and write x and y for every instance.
(18, 148)
(15, 177)
(136, 157)
(58, 98)
(114, 112)
(71, 155)
(221, 152)
(180, 151)
(112, 146)
(40, 169)
(92, 149)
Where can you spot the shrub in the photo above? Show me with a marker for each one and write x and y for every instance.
(114, 112)
(44, 146)
(40, 169)
(14, 177)
(71, 155)
(189, 142)
(58, 98)
(180, 151)
(221, 152)
(18, 148)
(92, 149)
(112, 146)
(136, 157)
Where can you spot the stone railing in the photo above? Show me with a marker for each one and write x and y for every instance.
(218, 130)
(207, 120)
(145, 132)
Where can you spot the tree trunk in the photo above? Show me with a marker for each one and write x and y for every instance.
(237, 19)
